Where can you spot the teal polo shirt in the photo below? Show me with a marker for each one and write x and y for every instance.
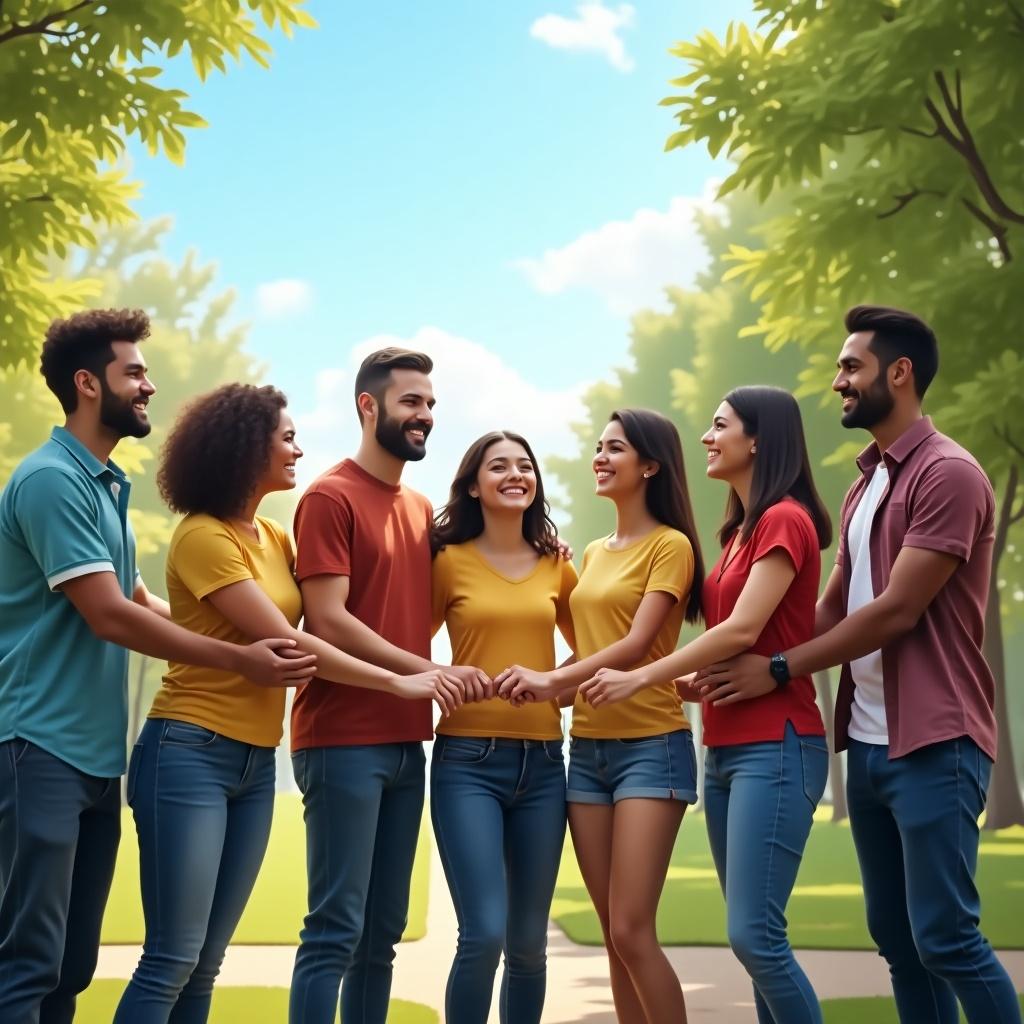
(63, 514)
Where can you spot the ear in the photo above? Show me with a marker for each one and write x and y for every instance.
(901, 372)
(473, 491)
(367, 405)
(651, 469)
(87, 384)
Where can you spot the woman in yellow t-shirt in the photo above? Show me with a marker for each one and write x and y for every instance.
(201, 776)
(497, 779)
(632, 767)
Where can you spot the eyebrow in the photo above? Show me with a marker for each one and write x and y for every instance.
(136, 366)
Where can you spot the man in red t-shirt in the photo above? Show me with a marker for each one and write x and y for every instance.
(903, 612)
(363, 563)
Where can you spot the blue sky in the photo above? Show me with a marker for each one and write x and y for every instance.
(408, 165)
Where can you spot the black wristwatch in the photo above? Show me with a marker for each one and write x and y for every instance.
(779, 669)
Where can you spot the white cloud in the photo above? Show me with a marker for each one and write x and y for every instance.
(594, 30)
(284, 296)
(476, 392)
(628, 262)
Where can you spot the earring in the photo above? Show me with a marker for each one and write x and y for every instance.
(647, 476)
(753, 451)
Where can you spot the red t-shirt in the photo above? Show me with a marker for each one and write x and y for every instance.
(788, 527)
(349, 523)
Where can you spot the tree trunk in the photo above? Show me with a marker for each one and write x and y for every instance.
(1005, 806)
(837, 782)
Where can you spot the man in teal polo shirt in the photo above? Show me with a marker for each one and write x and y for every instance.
(71, 603)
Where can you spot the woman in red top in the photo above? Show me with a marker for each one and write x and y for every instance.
(766, 761)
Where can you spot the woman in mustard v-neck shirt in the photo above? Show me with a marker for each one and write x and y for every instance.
(632, 768)
(497, 779)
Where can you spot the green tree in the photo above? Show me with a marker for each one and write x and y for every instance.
(684, 361)
(76, 81)
(894, 129)
(193, 347)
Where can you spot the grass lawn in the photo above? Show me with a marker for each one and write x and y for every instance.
(856, 1011)
(231, 1005)
(278, 903)
(826, 910)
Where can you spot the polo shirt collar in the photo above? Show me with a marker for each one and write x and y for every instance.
(83, 456)
(898, 451)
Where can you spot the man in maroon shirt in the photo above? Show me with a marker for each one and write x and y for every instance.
(903, 613)
(363, 563)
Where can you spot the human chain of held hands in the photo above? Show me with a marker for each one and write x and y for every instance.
(374, 573)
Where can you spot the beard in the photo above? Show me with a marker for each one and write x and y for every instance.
(117, 415)
(392, 436)
(872, 406)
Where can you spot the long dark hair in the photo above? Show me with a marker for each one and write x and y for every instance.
(656, 439)
(462, 519)
(781, 466)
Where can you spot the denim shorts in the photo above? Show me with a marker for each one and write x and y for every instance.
(656, 767)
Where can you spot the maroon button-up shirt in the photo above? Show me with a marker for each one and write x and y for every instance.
(937, 683)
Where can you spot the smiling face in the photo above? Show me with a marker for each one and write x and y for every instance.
(506, 480)
(284, 453)
(728, 447)
(405, 416)
(862, 384)
(125, 391)
(618, 467)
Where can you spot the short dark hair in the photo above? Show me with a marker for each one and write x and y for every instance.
(667, 496)
(462, 519)
(897, 334)
(83, 342)
(375, 370)
(782, 467)
(218, 448)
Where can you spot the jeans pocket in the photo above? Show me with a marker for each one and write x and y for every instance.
(465, 749)
(133, 773)
(814, 766)
(186, 734)
(299, 760)
(553, 751)
(19, 748)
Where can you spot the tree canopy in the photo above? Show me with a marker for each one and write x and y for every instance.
(77, 80)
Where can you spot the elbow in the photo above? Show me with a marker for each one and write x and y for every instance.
(107, 624)
(899, 621)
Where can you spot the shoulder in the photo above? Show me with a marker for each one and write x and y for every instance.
(448, 556)
(198, 531)
(786, 514)
(275, 530)
(951, 464)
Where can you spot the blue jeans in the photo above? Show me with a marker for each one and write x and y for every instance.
(363, 806)
(759, 801)
(915, 825)
(498, 808)
(59, 830)
(203, 805)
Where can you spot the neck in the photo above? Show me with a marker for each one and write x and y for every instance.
(248, 513)
(741, 485)
(99, 440)
(632, 519)
(377, 462)
(502, 532)
(895, 425)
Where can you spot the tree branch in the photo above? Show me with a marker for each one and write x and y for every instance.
(1017, 16)
(42, 26)
(967, 148)
(906, 198)
(1004, 435)
(999, 231)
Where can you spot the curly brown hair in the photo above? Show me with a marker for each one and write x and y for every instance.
(83, 342)
(218, 449)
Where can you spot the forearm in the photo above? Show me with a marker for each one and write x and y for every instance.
(338, 667)
(347, 633)
(867, 630)
(827, 615)
(141, 630)
(623, 654)
(723, 641)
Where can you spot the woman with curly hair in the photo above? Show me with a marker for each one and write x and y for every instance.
(201, 776)
(497, 776)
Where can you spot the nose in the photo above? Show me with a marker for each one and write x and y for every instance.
(148, 386)
(296, 451)
(708, 438)
(840, 381)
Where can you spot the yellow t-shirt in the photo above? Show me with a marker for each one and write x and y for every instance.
(494, 622)
(205, 555)
(611, 586)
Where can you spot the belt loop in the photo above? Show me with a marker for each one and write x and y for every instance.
(494, 743)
